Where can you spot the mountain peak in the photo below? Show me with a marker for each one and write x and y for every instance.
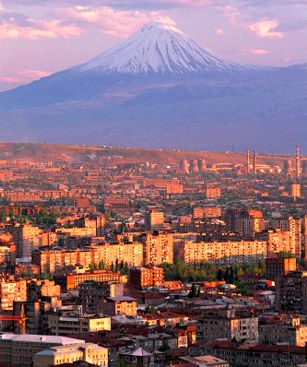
(159, 48)
(160, 26)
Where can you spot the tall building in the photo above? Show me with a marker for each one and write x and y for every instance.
(12, 290)
(154, 220)
(26, 237)
(279, 266)
(291, 292)
(158, 248)
(279, 241)
(296, 190)
(246, 222)
(297, 162)
(248, 161)
(295, 228)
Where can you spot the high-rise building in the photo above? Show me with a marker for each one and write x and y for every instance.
(154, 220)
(295, 228)
(297, 162)
(248, 163)
(246, 222)
(26, 237)
(12, 290)
(279, 266)
(158, 248)
(296, 190)
(291, 292)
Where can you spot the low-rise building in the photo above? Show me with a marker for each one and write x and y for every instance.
(72, 324)
(69, 354)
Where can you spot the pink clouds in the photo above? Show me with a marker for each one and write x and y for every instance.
(219, 31)
(266, 28)
(24, 76)
(120, 23)
(14, 26)
(258, 51)
(38, 29)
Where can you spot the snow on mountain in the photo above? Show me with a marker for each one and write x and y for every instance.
(157, 48)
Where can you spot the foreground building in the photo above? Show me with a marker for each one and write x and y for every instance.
(19, 350)
(69, 354)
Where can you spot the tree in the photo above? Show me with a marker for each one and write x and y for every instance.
(194, 291)
(11, 212)
(3, 215)
(219, 275)
(101, 265)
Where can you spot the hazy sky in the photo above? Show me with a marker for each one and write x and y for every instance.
(38, 37)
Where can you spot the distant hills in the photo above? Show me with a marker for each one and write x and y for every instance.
(160, 89)
(62, 154)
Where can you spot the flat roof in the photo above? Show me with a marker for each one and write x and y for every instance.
(32, 338)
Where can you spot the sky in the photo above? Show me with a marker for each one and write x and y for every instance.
(40, 37)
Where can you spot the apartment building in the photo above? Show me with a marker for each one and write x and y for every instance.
(226, 324)
(223, 252)
(158, 248)
(142, 277)
(52, 260)
(72, 323)
(12, 290)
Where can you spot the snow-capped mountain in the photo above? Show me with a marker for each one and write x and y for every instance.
(158, 48)
(160, 89)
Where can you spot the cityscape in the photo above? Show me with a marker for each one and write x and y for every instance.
(123, 257)
(153, 183)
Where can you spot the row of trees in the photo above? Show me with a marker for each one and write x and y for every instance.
(121, 266)
(44, 217)
(205, 271)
